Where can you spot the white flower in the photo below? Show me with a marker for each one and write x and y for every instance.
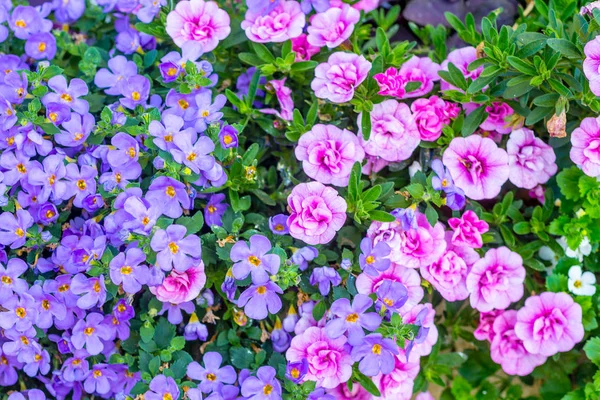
(547, 254)
(414, 168)
(584, 249)
(581, 283)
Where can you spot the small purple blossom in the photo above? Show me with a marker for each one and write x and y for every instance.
(253, 259)
(352, 318)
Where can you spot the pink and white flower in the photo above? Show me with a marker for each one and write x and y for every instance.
(284, 22)
(530, 160)
(198, 21)
(332, 27)
(336, 79)
(586, 146)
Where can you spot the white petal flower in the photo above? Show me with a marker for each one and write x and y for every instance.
(581, 283)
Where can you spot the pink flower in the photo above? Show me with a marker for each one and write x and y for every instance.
(374, 165)
(332, 27)
(180, 287)
(364, 5)
(496, 280)
(394, 133)
(477, 166)
(448, 274)
(538, 193)
(549, 323)
(199, 21)
(336, 79)
(530, 160)
(420, 246)
(304, 50)
(284, 97)
(317, 212)
(468, 230)
(341, 392)
(398, 384)
(461, 58)
(328, 154)
(366, 284)
(586, 146)
(508, 350)
(591, 64)
(420, 69)
(424, 348)
(390, 83)
(498, 118)
(431, 115)
(485, 330)
(284, 22)
(424, 396)
(329, 363)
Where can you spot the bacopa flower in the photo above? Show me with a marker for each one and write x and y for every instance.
(477, 165)
(549, 323)
(260, 300)
(125, 269)
(88, 333)
(278, 224)
(162, 388)
(214, 210)
(328, 154)
(376, 354)
(580, 283)
(317, 213)
(422, 316)
(374, 258)
(264, 386)
(119, 70)
(586, 146)
(253, 259)
(332, 27)
(285, 21)
(175, 249)
(67, 94)
(303, 256)
(198, 21)
(211, 376)
(10, 281)
(336, 79)
(325, 278)
(496, 280)
(530, 160)
(352, 318)
(13, 229)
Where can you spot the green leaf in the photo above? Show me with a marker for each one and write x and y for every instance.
(365, 124)
(354, 182)
(381, 216)
(252, 88)
(564, 47)
(251, 59)
(431, 214)
(568, 182)
(235, 100)
(262, 52)
(473, 120)
(164, 333)
(241, 357)
(193, 224)
(366, 383)
(522, 228)
(416, 190)
(372, 194)
(557, 283)
(592, 350)
(319, 310)
(522, 66)
(300, 66)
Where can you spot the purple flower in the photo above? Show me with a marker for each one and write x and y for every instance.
(92, 288)
(278, 224)
(144, 215)
(169, 71)
(100, 379)
(320, 394)
(41, 46)
(67, 94)
(74, 369)
(51, 177)
(170, 194)
(228, 136)
(77, 130)
(296, 371)
(14, 88)
(21, 312)
(422, 333)
(214, 210)
(325, 277)
(192, 151)
(135, 91)
(195, 330)
(10, 281)
(58, 113)
(48, 307)
(88, 333)
(391, 296)
(352, 318)
(303, 256)
(126, 152)
(128, 41)
(149, 10)
(164, 134)
(211, 376)
(125, 269)
(262, 387)
(68, 12)
(83, 183)
(376, 355)
(26, 20)
(162, 388)
(13, 231)
(174, 314)
(257, 299)
(174, 249)
(374, 259)
(455, 197)
(254, 259)
(205, 111)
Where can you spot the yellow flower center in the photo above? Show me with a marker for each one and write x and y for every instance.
(118, 177)
(261, 290)
(81, 184)
(121, 307)
(42, 47)
(66, 97)
(78, 136)
(295, 373)
(577, 284)
(183, 104)
(45, 304)
(53, 116)
(21, 313)
(136, 96)
(38, 358)
(21, 23)
(388, 302)
(376, 349)
(88, 331)
(145, 221)
(205, 113)
(25, 340)
(370, 260)
(7, 280)
(97, 373)
(97, 287)
(50, 214)
(211, 377)
(171, 71)
(168, 138)
(126, 270)
(21, 168)
(227, 139)
(279, 227)
(132, 152)
(444, 183)
(20, 232)
(191, 157)
(63, 288)
(173, 247)
(267, 390)
(212, 209)
(52, 179)
(254, 260)
(167, 396)
(170, 191)
(352, 318)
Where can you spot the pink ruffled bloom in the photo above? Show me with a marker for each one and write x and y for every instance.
(424, 348)
(284, 22)
(549, 323)
(332, 27)
(420, 69)
(328, 154)
(284, 97)
(304, 50)
(374, 165)
(341, 392)
(496, 280)
(477, 166)
(362, 5)
(508, 350)
(591, 64)
(420, 246)
(485, 329)
(468, 230)
(329, 363)
(448, 275)
(498, 118)
(317, 212)
(199, 21)
(431, 115)
(336, 79)
(394, 133)
(461, 58)
(390, 83)
(366, 284)
(531, 161)
(180, 287)
(586, 146)
(398, 384)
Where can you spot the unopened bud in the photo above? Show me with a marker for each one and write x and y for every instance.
(557, 125)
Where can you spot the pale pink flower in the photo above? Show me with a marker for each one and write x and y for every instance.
(198, 21)
(364, 5)
(394, 134)
(477, 166)
(398, 384)
(181, 287)
(461, 58)
(284, 97)
(530, 160)
(424, 348)
(419, 246)
(468, 230)
(332, 27)
(424, 396)
(304, 50)
(586, 146)
(329, 363)
(496, 280)
(284, 22)
(374, 165)
(328, 154)
(485, 329)
(591, 64)
(431, 115)
(549, 323)
(419, 69)
(336, 79)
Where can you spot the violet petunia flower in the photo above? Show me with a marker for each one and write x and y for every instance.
(211, 376)
(352, 318)
(374, 259)
(67, 94)
(376, 355)
(264, 386)
(13, 230)
(253, 259)
(174, 249)
(125, 269)
(214, 210)
(89, 333)
(260, 300)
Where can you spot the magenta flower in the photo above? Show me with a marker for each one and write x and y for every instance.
(398, 384)
(175, 249)
(254, 259)
(317, 213)
(498, 118)
(336, 79)
(468, 230)
(198, 21)
(485, 329)
(419, 69)
(328, 154)
(461, 58)
(549, 323)
(390, 83)
(530, 160)
(419, 246)
(329, 363)
(332, 27)
(304, 50)
(477, 165)
(260, 300)
(496, 280)
(284, 97)
(431, 115)
(508, 350)
(181, 287)
(422, 315)
(394, 134)
(586, 146)
(352, 318)
(282, 23)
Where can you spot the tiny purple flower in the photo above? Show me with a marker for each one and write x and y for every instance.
(374, 259)
(376, 355)
(352, 318)
(253, 259)
(278, 224)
